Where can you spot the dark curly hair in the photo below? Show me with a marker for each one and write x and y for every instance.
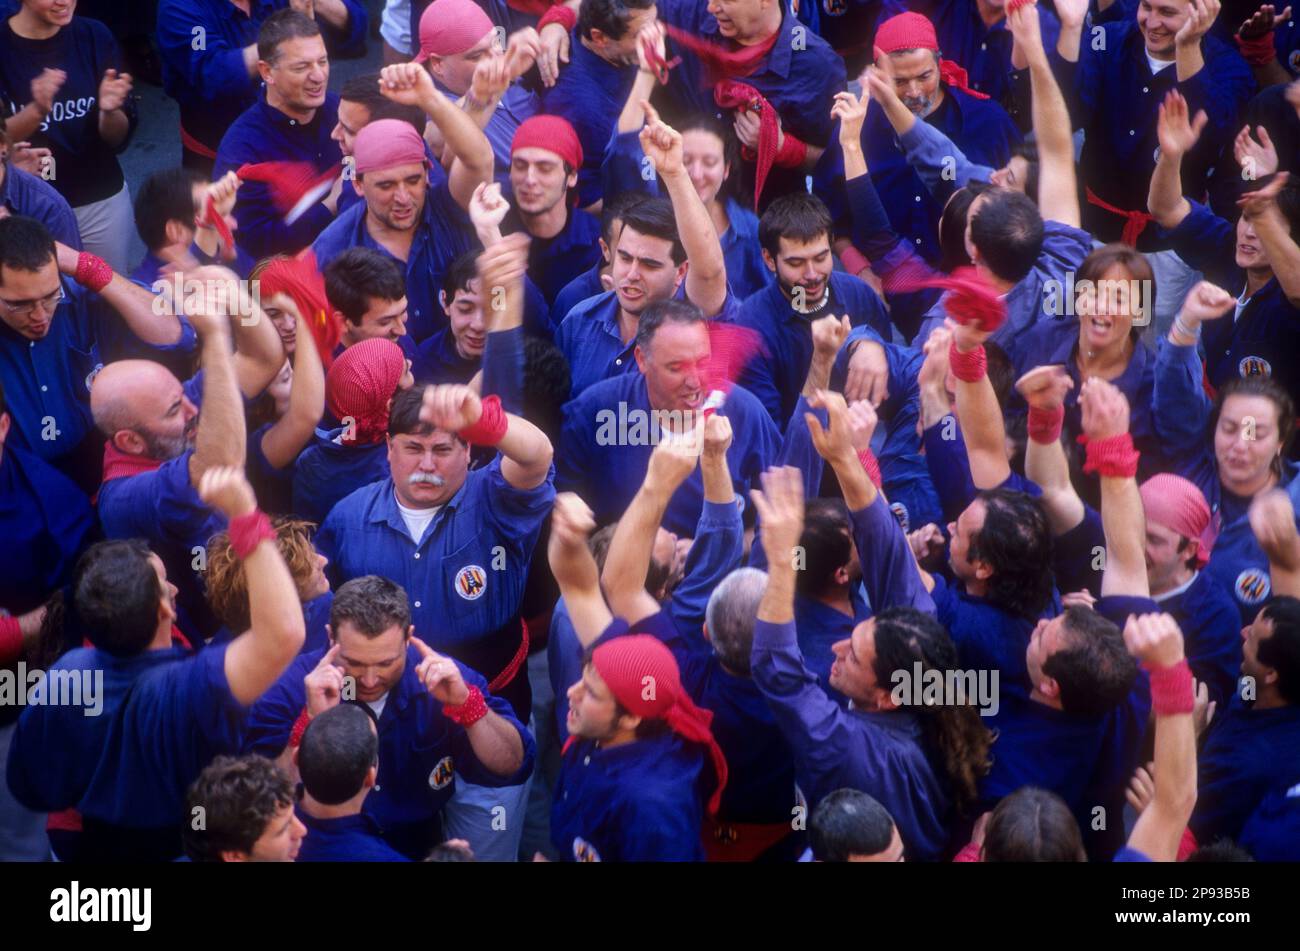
(237, 798)
(1016, 542)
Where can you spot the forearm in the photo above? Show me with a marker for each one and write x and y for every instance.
(333, 12)
(21, 126)
(858, 489)
(526, 453)
(984, 433)
(250, 60)
(113, 127)
(497, 744)
(812, 155)
(259, 352)
(819, 375)
(291, 433)
(632, 118)
(1283, 253)
(1057, 191)
(628, 560)
(1046, 465)
(934, 405)
(276, 631)
(717, 478)
(1165, 198)
(855, 161)
(1123, 523)
(1068, 40)
(221, 436)
(1270, 73)
(1160, 827)
(706, 278)
(1188, 60)
(473, 162)
(777, 606)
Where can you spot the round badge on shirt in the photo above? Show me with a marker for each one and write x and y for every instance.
(584, 851)
(471, 582)
(442, 774)
(1254, 366)
(1253, 586)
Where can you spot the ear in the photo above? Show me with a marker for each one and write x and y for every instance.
(640, 359)
(983, 571)
(372, 777)
(571, 182)
(682, 271)
(605, 253)
(410, 632)
(264, 70)
(128, 442)
(442, 300)
(842, 575)
(294, 758)
(329, 634)
(356, 186)
(769, 261)
(4, 428)
(628, 721)
(177, 233)
(705, 629)
(229, 855)
(1049, 688)
(884, 699)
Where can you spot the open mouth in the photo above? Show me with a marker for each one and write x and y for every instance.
(1247, 249)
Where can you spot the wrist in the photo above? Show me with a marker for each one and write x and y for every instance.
(469, 711)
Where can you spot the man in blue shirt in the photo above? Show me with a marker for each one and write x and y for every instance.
(663, 249)
(362, 101)
(159, 446)
(413, 211)
(247, 803)
(338, 762)
(437, 718)
(164, 711)
(292, 122)
(31, 196)
(51, 332)
(368, 289)
(218, 79)
(172, 221)
(610, 429)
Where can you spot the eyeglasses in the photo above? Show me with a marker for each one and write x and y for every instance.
(25, 308)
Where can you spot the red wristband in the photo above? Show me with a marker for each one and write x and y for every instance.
(558, 14)
(93, 273)
(11, 640)
(1258, 50)
(1045, 424)
(299, 728)
(792, 152)
(968, 367)
(854, 261)
(872, 465)
(491, 426)
(248, 531)
(474, 708)
(1111, 458)
(1172, 692)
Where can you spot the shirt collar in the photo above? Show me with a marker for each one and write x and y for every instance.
(278, 119)
(387, 512)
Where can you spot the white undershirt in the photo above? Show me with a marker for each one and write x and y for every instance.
(377, 706)
(1174, 592)
(1159, 64)
(417, 520)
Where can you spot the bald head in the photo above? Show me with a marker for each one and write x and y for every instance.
(142, 409)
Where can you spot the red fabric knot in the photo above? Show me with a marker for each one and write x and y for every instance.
(359, 387)
(123, 465)
(1111, 458)
(469, 712)
(1257, 50)
(1135, 221)
(968, 367)
(301, 280)
(491, 426)
(730, 94)
(1045, 424)
(871, 465)
(722, 62)
(658, 65)
(972, 300)
(644, 678)
(1172, 691)
(93, 272)
(249, 531)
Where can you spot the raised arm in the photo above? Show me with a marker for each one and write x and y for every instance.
(979, 414)
(1072, 14)
(221, 438)
(1111, 455)
(1156, 641)
(290, 434)
(575, 569)
(1272, 519)
(633, 116)
(628, 560)
(1188, 58)
(256, 658)
(1044, 389)
(1177, 134)
(1261, 211)
(706, 274)
(525, 451)
(1058, 195)
(138, 306)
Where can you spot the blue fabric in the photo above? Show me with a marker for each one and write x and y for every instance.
(211, 83)
(587, 284)
(344, 839)
(442, 235)
(327, 471)
(86, 167)
(1211, 627)
(421, 752)
(33, 197)
(554, 262)
(605, 448)
(438, 361)
(1272, 834)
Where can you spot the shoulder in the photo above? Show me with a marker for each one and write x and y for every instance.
(354, 507)
(339, 234)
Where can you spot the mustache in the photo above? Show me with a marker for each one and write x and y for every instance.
(426, 478)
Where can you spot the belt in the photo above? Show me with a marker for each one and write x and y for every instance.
(1135, 224)
(741, 841)
(195, 146)
(511, 669)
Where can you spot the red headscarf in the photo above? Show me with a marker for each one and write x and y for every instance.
(1178, 505)
(911, 31)
(643, 677)
(359, 386)
(448, 27)
(552, 133)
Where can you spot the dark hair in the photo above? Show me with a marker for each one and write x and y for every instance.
(705, 122)
(25, 245)
(1016, 542)
(404, 415)
(1007, 230)
(338, 748)
(1094, 669)
(1033, 825)
(1271, 390)
(1281, 650)
(848, 822)
(1117, 254)
(613, 209)
(906, 637)
(671, 311)
(609, 16)
(459, 273)
(827, 543)
(798, 216)
(116, 596)
(364, 91)
(1288, 202)
(280, 27)
(648, 727)
(165, 196)
(371, 605)
(1029, 152)
(547, 385)
(657, 573)
(1220, 850)
(952, 226)
(238, 798)
(654, 217)
(358, 275)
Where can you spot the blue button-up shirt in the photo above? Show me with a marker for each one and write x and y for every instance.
(344, 839)
(210, 80)
(265, 134)
(33, 197)
(606, 444)
(421, 752)
(554, 262)
(442, 234)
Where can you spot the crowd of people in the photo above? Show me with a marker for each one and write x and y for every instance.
(653, 430)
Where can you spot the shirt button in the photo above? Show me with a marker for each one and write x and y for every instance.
(1132, 131)
(586, 761)
(984, 46)
(618, 362)
(918, 197)
(44, 388)
(377, 787)
(918, 240)
(1146, 89)
(417, 554)
(417, 604)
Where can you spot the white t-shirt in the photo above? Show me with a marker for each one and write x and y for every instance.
(377, 706)
(1158, 64)
(417, 520)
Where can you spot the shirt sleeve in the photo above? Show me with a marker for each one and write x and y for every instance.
(209, 73)
(215, 712)
(889, 571)
(929, 152)
(1206, 242)
(467, 762)
(1180, 412)
(503, 368)
(717, 550)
